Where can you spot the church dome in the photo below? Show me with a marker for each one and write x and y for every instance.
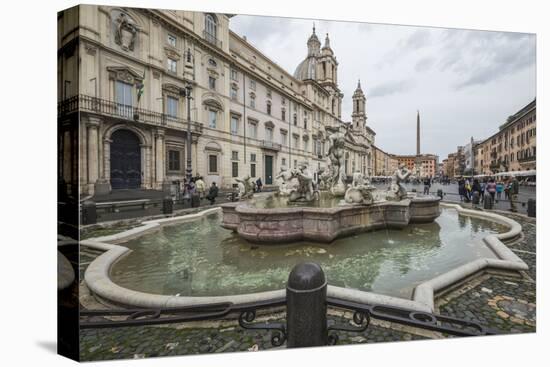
(306, 69)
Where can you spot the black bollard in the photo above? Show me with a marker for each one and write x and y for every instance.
(306, 307)
(531, 208)
(167, 205)
(89, 212)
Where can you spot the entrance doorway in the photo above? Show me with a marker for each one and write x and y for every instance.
(268, 164)
(125, 160)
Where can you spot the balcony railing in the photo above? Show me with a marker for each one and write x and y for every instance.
(531, 158)
(112, 109)
(267, 144)
(211, 38)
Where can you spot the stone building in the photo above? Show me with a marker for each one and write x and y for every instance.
(128, 78)
(512, 147)
(385, 164)
(422, 165)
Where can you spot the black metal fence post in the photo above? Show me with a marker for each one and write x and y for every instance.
(306, 295)
(89, 212)
(531, 208)
(167, 205)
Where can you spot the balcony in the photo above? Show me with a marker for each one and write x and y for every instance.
(211, 38)
(103, 107)
(529, 159)
(267, 144)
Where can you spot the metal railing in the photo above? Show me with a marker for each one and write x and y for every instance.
(112, 109)
(211, 38)
(306, 321)
(267, 144)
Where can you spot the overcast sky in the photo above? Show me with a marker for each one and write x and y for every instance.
(465, 83)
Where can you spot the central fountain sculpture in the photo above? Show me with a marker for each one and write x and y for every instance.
(308, 215)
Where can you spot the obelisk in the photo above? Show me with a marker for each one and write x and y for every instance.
(417, 133)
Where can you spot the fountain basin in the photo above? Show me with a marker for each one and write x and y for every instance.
(286, 224)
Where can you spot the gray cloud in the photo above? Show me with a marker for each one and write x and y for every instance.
(391, 87)
(424, 64)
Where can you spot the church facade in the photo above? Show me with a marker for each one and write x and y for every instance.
(129, 78)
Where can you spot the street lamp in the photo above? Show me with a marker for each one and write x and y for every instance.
(189, 169)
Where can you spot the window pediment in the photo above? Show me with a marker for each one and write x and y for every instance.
(125, 74)
(269, 124)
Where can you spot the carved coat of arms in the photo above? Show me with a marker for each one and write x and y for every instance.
(125, 32)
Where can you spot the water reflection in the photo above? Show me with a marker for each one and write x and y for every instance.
(201, 258)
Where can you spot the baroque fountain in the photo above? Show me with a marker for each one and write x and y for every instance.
(379, 246)
(320, 215)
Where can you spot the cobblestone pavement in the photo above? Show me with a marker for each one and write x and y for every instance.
(505, 303)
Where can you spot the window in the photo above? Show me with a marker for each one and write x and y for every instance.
(124, 99)
(172, 40)
(212, 62)
(305, 145)
(252, 84)
(283, 162)
(172, 65)
(295, 164)
(212, 163)
(252, 129)
(234, 93)
(172, 106)
(174, 160)
(268, 93)
(212, 117)
(268, 107)
(234, 155)
(283, 114)
(124, 93)
(252, 157)
(295, 119)
(234, 75)
(210, 28)
(234, 169)
(253, 170)
(234, 125)
(252, 101)
(212, 82)
(283, 139)
(269, 133)
(296, 141)
(305, 123)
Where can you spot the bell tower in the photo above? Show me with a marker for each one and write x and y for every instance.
(359, 114)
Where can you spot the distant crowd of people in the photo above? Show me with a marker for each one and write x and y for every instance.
(197, 186)
(477, 191)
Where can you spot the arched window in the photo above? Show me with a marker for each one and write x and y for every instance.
(211, 27)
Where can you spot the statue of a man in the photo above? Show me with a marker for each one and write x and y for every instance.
(304, 191)
(336, 154)
(246, 187)
(284, 177)
(397, 190)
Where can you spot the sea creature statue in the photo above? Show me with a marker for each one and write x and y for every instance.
(325, 177)
(245, 187)
(397, 191)
(304, 191)
(286, 181)
(360, 191)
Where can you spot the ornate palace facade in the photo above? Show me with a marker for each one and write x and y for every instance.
(124, 78)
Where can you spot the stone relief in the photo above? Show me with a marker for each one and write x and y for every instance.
(360, 191)
(125, 32)
(287, 182)
(304, 190)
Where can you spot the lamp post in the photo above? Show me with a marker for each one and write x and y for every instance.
(189, 168)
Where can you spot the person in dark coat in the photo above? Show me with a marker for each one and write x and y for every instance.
(212, 193)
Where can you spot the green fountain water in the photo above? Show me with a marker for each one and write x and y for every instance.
(202, 259)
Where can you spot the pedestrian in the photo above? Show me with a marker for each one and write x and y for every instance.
(476, 191)
(212, 193)
(468, 190)
(482, 185)
(507, 189)
(200, 186)
(259, 184)
(491, 188)
(513, 192)
(461, 189)
(427, 185)
(499, 190)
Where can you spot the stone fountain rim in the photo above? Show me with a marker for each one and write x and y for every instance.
(100, 284)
